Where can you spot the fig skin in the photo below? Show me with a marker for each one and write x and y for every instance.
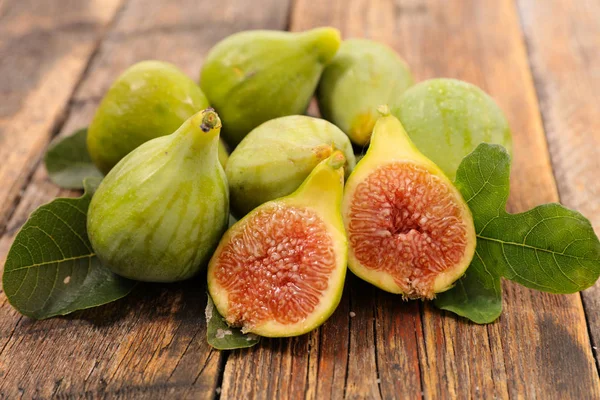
(390, 143)
(254, 76)
(363, 75)
(447, 119)
(322, 193)
(276, 157)
(160, 212)
(148, 100)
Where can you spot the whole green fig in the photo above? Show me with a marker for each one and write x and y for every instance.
(160, 212)
(150, 99)
(447, 119)
(276, 157)
(362, 76)
(254, 76)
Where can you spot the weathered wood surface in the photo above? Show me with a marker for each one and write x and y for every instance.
(564, 54)
(57, 58)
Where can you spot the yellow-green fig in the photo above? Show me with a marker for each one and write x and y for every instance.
(363, 75)
(150, 99)
(409, 229)
(280, 270)
(276, 157)
(254, 76)
(447, 119)
(160, 212)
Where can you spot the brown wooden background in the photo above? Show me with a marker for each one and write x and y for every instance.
(540, 59)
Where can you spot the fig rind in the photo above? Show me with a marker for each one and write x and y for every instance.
(363, 75)
(160, 212)
(276, 157)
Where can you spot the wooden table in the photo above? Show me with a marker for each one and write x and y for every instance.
(540, 59)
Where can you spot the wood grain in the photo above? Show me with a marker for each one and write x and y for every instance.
(530, 352)
(44, 50)
(565, 58)
(151, 344)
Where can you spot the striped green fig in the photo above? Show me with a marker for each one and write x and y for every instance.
(150, 99)
(276, 157)
(254, 76)
(447, 119)
(362, 76)
(160, 212)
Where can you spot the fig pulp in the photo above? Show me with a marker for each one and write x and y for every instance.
(447, 119)
(276, 157)
(160, 212)
(150, 99)
(409, 230)
(254, 76)
(280, 270)
(363, 75)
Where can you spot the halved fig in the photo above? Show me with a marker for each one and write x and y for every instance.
(280, 270)
(409, 229)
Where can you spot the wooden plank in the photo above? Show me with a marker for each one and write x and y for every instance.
(530, 351)
(44, 49)
(563, 40)
(151, 344)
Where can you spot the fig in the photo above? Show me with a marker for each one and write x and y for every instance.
(447, 119)
(409, 229)
(254, 76)
(363, 75)
(280, 270)
(289, 148)
(160, 212)
(150, 99)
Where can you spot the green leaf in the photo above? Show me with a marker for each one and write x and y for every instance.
(548, 248)
(223, 337)
(51, 268)
(68, 161)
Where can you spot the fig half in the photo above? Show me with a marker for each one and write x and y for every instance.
(280, 270)
(409, 229)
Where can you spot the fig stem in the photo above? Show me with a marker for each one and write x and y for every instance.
(210, 120)
(337, 160)
(384, 110)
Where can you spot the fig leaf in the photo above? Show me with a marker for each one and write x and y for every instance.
(548, 248)
(51, 268)
(223, 337)
(68, 161)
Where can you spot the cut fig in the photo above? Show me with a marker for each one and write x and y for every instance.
(280, 270)
(409, 229)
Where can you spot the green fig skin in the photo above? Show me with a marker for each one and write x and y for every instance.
(447, 119)
(277, 156)
(160, 212)
(255, 76)
(150, 99)
(363, 75)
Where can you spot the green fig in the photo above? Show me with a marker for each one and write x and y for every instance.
(280, 270)
(254, 76)
(276, 157)
(160, 212)
(409, 229)
(447, 119)
(150, 99)
(363, 75)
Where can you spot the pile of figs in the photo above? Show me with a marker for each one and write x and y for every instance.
(306, 208)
